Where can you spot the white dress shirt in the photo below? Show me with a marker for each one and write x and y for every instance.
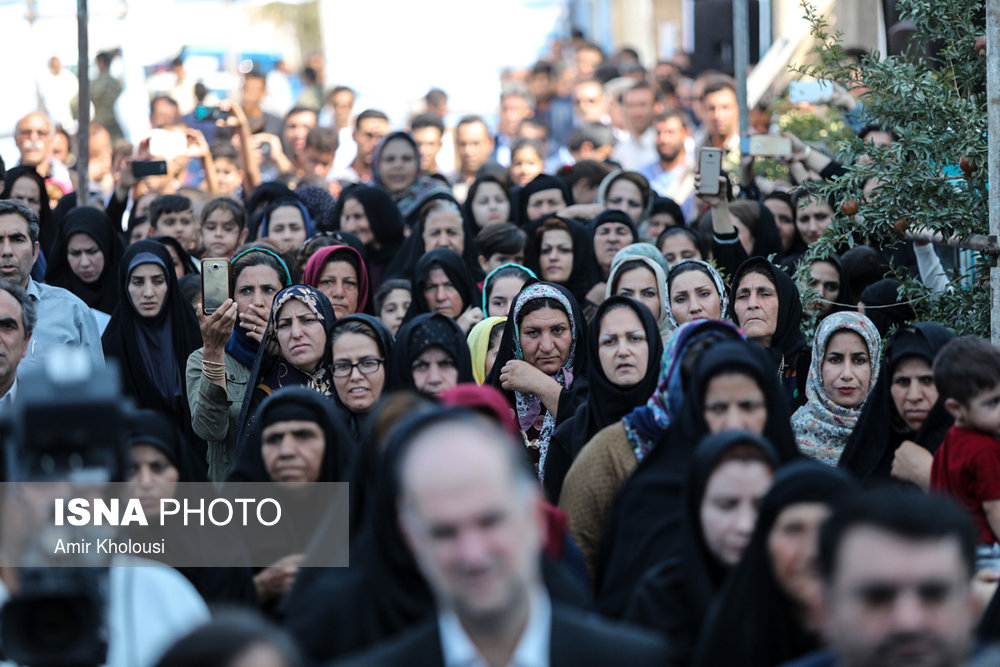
(532, 649)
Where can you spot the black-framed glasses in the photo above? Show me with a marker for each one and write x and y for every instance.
(343, 369)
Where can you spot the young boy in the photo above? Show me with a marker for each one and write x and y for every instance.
(498, 244)
(173, 215)
(223, 227)
(967, 465)
(228, 173)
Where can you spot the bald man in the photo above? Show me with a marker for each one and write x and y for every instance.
(33, 136)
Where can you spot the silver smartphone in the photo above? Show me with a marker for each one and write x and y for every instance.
(215, 283)
(710, 166)
(770, 145)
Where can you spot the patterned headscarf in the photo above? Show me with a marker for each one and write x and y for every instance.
(821, 426)
(320, 378)
(720, 285)
(647, 423)
(529, 406)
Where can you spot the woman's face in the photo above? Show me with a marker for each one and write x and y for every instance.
(609, 238)
(729, 507)
(434, 371)
(358, 391)
(301, 336)
(25, 190)
(502, 293)
(394, 309)
(847, 369)
(287, 228)
(490, 205)
(694, 296)
(623, 348)
(85, 258)
(555, 256)
(792, 546)
(339, 282)
(640, 284)
(525, 164)
(398, 166)
(354, 220)
(147, 289)
(657, 223)
(624, 195)
(176, 259)
(493, 350)
(255, 289)
(151, 478)
(735, 402)
(546, 339)
(824, 279)
(443, 229)
(441, 294)
(913, 390)
(677, 247)
(813, 219)
(545, 202)
(756, 307)
(293, 451)
(782, 213)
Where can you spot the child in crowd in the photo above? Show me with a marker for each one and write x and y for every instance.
(967, 465)
(173, 215)
(223, 227)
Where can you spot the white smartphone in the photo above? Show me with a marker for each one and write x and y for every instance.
(770, 145)
(710, 166)
(813, 92)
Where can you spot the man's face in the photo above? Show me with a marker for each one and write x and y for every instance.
(513, 109)
(474, 532)
(179, 225)
(343, 105)
(588, 102)
(367, 136)
(897, 601)
(34, 139)
(13, 341)
(720, 113)
(587, 61)
(429, 143)
(670, 136)
(296, 128)
(163, 114)
(474, 146)
(316, 163)
(639, 108)
(17, 252)
(253, 91)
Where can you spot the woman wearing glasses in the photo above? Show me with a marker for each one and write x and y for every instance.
(360, 345)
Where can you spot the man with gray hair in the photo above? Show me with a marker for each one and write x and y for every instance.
(471, 511)
(17, 322)
(63, 319)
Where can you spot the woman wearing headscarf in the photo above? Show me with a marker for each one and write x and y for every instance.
(396, 169)
(623, 354)
(731, 387)
(627, 191)
(295, 350)
(904, 420)
(287, 224)
(217, 375)
(829, 280)
(765, 303)
(730, 473)
(360, 346)
(183, 264)
(695, 290)
(370, 214)
(544, 196)
(639, 271)
(442, 285)
(27, 186)
(739, 231)
(151, 334)
(438, 224)
(663, 214)
(85, 259)
(339, 272)
(501, 286)
(484, 343)
(845, 359)
(558, 254)
(538, 365)
(430, 355)
(487, 202)
(881, 303)
(610, 231)
(765, 614)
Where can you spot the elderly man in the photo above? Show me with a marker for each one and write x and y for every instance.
(33, 136)
(63, 319)
(471, 511)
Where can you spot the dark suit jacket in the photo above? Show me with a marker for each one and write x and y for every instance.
(577, 639)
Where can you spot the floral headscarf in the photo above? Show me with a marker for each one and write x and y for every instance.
(529, 406)
(647, 423)
(320, 378)
(821, 426)
(720, 285)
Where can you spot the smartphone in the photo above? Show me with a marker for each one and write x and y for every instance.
(215, 283)
(143, 168)
(167, 143)
(265, 150)
(813, 92)
(710, 166)
(203, 113)
(769, 145)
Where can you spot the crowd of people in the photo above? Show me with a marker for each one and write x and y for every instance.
(581, 413)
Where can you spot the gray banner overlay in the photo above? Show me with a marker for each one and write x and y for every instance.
(66, 524)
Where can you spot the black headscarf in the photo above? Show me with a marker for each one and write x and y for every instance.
(606, 402)
(298, 404)
(471, 196)
(605, 218)
(153, 351)
(641, 534)
(454, 267)
(845, 298)
(579, 276)
(385, 221)
(539, 183)
(260, 199)
(674, 597)
(753, 623)
(670, 207)
(887, 312)
(154, 428)
(101, 294)
(188, 264)
(48, 233)
(385, 348)
(880, 428)
(413, 248)
(420, 333)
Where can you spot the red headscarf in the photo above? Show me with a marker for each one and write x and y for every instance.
(320, 259)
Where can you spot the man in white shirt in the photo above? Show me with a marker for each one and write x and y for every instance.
(638, 148)
(672, 174)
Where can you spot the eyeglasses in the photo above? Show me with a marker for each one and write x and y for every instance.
(343, 369)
